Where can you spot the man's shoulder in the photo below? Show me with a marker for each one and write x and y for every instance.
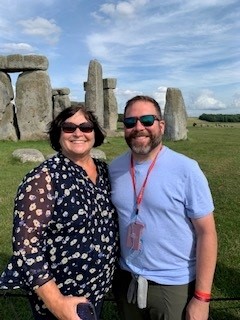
(122, 159)
(180, 160)
(178, 156)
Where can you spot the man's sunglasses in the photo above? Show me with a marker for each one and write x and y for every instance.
(69, 127)
(146, 121)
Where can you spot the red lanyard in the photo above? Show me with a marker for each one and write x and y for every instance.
(139, 197)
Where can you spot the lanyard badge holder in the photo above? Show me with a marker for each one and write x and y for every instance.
(136, 228)
(134, 235)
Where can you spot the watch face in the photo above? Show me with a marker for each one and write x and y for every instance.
(86, 311)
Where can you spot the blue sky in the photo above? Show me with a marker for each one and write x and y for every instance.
(147, 45)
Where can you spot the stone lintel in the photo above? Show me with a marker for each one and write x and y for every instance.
(19, 63)
(109, 83)
(60, 91)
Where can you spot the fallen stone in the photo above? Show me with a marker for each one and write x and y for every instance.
(95, 153)
(28, 155)
(98, 154)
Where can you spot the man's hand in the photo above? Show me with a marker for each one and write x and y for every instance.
(197, 310)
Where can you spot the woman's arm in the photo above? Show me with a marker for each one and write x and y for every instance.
(34, 205)
(63, 307)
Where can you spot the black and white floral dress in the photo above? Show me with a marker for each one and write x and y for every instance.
(65, 228)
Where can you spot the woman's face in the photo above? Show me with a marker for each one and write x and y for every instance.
(77, 144)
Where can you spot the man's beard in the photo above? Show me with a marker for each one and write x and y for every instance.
(138, 147)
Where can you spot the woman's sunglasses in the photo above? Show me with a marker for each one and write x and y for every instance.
(69, 127)
(146, 121)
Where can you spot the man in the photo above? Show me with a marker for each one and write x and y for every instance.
(167, 230)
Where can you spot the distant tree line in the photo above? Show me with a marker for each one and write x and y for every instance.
(220, 117)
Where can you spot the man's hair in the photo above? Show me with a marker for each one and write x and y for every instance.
(145, 99)
(55, 126)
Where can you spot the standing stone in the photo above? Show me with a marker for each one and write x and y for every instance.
(110, 104)
(7, 129)
(6, 92)
(6, 89)
(175, 116)
(94, 90)
(33, 104)
(61, 100)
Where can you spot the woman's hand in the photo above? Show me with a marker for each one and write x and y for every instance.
(62, 307)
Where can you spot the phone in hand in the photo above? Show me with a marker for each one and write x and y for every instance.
(86, 311)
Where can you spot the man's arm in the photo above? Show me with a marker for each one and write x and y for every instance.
(206, 252)
(206, 257)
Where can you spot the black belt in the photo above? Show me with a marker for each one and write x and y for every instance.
(150, 282)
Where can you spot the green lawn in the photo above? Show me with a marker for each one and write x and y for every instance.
(217, 149)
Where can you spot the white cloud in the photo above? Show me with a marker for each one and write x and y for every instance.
(121, 8)
(236, 101)
(165, 40)
(128, 94)
(125, 8)
(41, 27)
(206, 101)
(206, 3)
(123, 95)
(107, 8)
(160, 96)
(97, 46)
(21, 48)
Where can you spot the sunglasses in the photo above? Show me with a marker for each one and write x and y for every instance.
(146, 121)
(69, 127)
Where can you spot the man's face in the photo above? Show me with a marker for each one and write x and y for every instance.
(143, 139)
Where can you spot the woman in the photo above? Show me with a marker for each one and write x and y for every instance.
(65, 228)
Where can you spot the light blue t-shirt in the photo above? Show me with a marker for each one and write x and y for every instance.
(176, 191)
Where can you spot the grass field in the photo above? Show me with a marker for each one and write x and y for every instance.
(216, 148)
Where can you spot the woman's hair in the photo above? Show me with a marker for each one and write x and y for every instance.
(54, 127)
(145, 99)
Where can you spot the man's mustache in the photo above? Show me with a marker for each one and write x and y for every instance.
(139, 134)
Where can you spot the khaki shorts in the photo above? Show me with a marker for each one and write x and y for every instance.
(164, 302)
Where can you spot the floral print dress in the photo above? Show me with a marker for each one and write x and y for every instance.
(65, 228)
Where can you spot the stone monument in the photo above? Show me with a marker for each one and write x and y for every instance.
(175, 116)
(26, 116)
(100, 97)
(36, 103)
(94, 90)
